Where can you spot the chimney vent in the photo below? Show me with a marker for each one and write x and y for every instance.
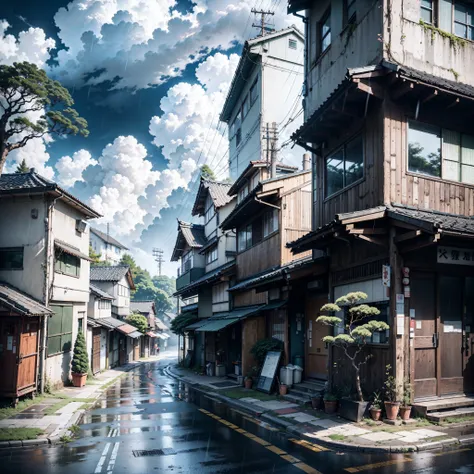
(306, 161)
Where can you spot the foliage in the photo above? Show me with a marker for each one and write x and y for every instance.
(80, 360)
(19, 434)
(390, 385)
(377, 401)
(139, 321)
(407, 391)
(26, 89)
(455, 41)
(95, 257)
(261, 347)
(331, 396)
(22, 167)
(357, 329)
(180, 322)
(207, 173)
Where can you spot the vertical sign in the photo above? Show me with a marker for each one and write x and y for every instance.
(386, 275)
(400, 314)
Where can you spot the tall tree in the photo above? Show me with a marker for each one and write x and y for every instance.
(207, 173)
(94, 256)
(22, 167)
(24, 88)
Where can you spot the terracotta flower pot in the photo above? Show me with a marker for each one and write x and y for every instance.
(405, 413)
(79, 380)
(392, 408)
(316, 403)
(283, 389)
(248, 383)
(375, 413)
(330, 406)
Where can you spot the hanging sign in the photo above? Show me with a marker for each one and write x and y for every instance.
(267, 375)
(386, 275)
(455, 256)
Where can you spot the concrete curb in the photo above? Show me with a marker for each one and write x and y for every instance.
(293, 430)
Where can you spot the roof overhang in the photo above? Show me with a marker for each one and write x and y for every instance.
(19, 303)
(70, 250)
(295, 6)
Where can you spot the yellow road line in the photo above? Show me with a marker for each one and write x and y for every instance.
(306, 468)
(454, 451)
(368, 467)
(261, 441)
(290, 458)
(306, 444)
(275, 450)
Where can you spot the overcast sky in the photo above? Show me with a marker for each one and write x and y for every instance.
(150, 77)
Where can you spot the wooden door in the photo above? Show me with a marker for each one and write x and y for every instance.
(28, 355)
(468, 335)
(95, 350)
(316, 352)
(136, 349)
(423, 302)
(9, 328)
(451, 309)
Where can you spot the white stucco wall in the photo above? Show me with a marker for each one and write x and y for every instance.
(108, 252)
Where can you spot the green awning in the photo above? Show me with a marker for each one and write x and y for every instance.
(217, 325)
(221, 320)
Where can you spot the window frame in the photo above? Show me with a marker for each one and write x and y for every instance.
(343, 147)
(350, 19)
(273, 217)
(61, 264)
(65, 331)
(247, 230)
(19, 250)
(467, 26)
(321, 37)
(433, 10)
(292, 41)
(253, 91)
(212, 255)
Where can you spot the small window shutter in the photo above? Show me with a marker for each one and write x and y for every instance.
(451, 152)
(467, 158)
(445, 15)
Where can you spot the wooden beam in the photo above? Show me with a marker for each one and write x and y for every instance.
(373, 240)
(373, 89)
(407, 236)
(420, 243)
(405, 225)
(369, 74)
(430, 96)
(367, 231)
(364, 218)
(402, 90)
(454, 103)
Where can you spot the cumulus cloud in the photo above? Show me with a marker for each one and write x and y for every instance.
(70, 169)
(31, 45)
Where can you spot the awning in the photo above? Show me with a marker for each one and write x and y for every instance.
(151, 334)
(195, 325)
(135, 334)
(160, 336)
(160, 325)
(127, 329)
(69, 249)
(92, 323)
(110, 323)
(221, 320)
(217, 325)
(165, 336)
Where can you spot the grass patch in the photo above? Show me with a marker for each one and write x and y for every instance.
(238, 393)
(75, 429)
(6, 410)
(17, 434)
(438, 438)
(65, 401)
(65, 439)
(423, 422)
(337, 437)
(456, 419)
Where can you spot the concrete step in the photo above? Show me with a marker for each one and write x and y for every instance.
(310, 387)
(443, 404)
(290, 397)
(438, 416)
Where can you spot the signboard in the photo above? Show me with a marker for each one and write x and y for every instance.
(455, 256)
(267, 375)
(386, 276)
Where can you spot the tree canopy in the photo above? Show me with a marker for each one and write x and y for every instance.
(207, 173)
(94, 256)
(139, 321)
(26, 90)
(180, 322)
(22, 167)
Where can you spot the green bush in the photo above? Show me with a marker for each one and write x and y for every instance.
(260, 349)
(80, 360)
(139, 321)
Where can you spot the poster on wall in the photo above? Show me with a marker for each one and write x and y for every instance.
(267, 375)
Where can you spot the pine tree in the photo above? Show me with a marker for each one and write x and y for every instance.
(22, 167)
(80, 360)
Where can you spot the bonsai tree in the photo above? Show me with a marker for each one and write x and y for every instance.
(357, 329)
(80, 360)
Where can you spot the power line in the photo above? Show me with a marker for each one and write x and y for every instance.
(159, 258)
(264, 26)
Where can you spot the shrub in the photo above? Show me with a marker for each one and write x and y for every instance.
(80, 360)
(139, 321)
(260, 349)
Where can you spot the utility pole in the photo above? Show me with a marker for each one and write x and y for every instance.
(271, 138)
(264, 26)
(158, 254)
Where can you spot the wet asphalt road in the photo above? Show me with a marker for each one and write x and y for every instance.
(150, 423)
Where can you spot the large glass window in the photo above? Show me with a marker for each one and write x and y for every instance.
(11, 258)
(424, 149)
(254, 92)
(245, 107)
(60, 330)
(211, 255)
(67, 264)
(345, 166)
(464, 20)
(270, 222)
(427, 11)
(244, 237)
(325, 32)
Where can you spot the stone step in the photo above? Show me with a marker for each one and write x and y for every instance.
(443, 404)
(290, 397)
(311, 387)
(295, 390)
(438, 416)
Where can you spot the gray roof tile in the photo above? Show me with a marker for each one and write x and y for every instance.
(99, 292)
(190, 234)
(19, 302)
(108, 238)
(142, 306)
(108, 273)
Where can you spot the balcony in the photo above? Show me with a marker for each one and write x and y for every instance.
(188, 277)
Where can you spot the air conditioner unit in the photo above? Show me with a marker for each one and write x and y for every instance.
(81, 225)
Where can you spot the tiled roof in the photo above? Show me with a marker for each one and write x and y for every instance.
(160, 325)
(32, 182)
(217, 190)
(126, 328)
(19, 302)
(142, 306)
(71, 250)
(101, 293)
(190, 234)
(108, 239)
(110, 323)
(111, 273)
(189, 308)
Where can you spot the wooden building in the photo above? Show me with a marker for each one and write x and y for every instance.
(389, 128)
(21, 320)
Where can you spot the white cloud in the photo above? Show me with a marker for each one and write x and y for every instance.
(31, 45)
(70, 169)
(35, 155)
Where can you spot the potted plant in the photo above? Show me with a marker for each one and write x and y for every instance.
(392, 406)
(354, 330)
(248, 381)
(330, 402)
(376, 407)
(317, 401)
(283, 389)
(80, 362)
(405, 408)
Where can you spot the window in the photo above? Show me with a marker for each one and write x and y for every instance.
(80, 321)
(427, 11)
(245, 237)
(345, 166)
(186, 263)
(11, 258)
(292, 44)
(270, 222)
(243, 192)
(211, 255)
(67, 264)
(210, 211)
(123, 291)
(325, 32)
(245, 107)
(464, 21)
(254, 92)
(104, 304)
(255, 180)
(350, 11)
(238, 137)
(440, 153)
(60, 330)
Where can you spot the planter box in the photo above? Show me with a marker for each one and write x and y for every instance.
(352, 410)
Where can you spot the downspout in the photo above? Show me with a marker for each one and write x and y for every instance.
(267, 203)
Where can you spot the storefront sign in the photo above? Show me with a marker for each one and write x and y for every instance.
(455, 256)
(267, 375)
(452, 326)
(386, 275)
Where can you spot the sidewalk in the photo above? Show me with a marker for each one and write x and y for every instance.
(331, 431)
(49, 421)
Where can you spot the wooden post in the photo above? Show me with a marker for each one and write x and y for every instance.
(397, 341)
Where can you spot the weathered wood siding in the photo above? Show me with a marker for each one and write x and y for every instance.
(249, 298)
(253, 329)
(365, 193)
(403, 187)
